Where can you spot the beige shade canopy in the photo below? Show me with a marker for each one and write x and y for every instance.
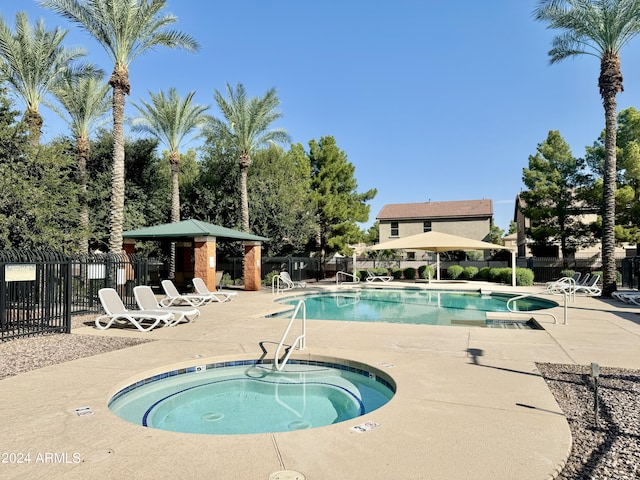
(442, 242)
(436, 242)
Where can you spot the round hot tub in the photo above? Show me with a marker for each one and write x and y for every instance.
(250, 396)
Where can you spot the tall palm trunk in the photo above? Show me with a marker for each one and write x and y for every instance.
(34, 122)
(610, 83)
(245, 161)
(82, 152)
(174, 161)
(120, 82)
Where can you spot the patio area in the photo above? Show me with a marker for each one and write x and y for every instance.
(470, 402)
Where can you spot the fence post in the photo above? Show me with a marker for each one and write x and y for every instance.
(66, 314)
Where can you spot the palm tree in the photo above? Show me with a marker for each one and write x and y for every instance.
(126, 29)
(246, 126)
(170, 119)
(31, 61)
(600, 28)
(86, 100)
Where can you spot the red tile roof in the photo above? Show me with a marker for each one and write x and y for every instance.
(436, 210)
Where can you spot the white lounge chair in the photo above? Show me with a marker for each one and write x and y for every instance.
(372, 277)
(286, 278)
(173, 297)
(591, 287)
(566, 285)
(627, 296)
(116, 312)
(575, 277)
(201, 289)
(146, 300)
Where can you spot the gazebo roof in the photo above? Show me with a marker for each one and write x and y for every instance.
(190, 229)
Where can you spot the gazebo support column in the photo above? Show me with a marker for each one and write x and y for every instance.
(204, 253)
(252, 265)
(129, 245)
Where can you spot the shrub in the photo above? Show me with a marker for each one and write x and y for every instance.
(494, 274)
(268, 278)
(469, 272)
(454, 271)
(618, 277)
(396, 273)
(567, 273)
(483, 274)
(524, 277)
(409, 273)
(427, 272)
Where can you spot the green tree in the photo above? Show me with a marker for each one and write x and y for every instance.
(246, 125)
(338, 205)
(170, 119)
(628, 174)
(85, 101)
(126, 29)
(213, 195)
(38, 196)
(552, 201)
(32, 60)
(279, 198)
(600, 28)
(147, 199)
(496, 234)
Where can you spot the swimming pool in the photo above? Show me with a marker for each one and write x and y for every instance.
(248, 396)
(417, 306)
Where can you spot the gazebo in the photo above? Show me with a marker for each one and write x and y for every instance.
(202, 238)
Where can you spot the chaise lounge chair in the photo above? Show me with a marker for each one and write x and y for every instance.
(591, 287)
(627, 296)
(146, 300)
(289, 283)
(173, 297)
(201, 289)
(372, 277)
(566, 285)
(116, 312)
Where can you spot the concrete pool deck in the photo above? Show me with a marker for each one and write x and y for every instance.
(469, 402)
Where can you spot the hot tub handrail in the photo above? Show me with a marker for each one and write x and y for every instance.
(533, 294)
(299, 341)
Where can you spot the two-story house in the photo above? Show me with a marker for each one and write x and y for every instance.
(465, 218)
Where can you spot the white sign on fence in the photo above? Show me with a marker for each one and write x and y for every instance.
(20, 273)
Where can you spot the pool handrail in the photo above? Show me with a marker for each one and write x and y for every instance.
(564, 285)
(299, 341)
(537, 312)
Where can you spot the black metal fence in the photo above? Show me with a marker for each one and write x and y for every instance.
(40, 290)
(300, 268)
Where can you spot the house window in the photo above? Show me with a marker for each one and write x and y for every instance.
(394, 229)
(411, 255)
(426, 226)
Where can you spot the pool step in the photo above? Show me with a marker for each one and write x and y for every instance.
(509, 316)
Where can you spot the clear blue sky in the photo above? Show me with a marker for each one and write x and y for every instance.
(430, 99)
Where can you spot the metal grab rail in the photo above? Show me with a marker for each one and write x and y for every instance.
(354, 278)
(532, 294)
(564, 285)
(278, 285)
(300, 339)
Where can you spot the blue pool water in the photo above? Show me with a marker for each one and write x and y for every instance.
(227, 398)
(426, 307)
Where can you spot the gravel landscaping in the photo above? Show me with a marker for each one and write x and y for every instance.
(608, 450)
